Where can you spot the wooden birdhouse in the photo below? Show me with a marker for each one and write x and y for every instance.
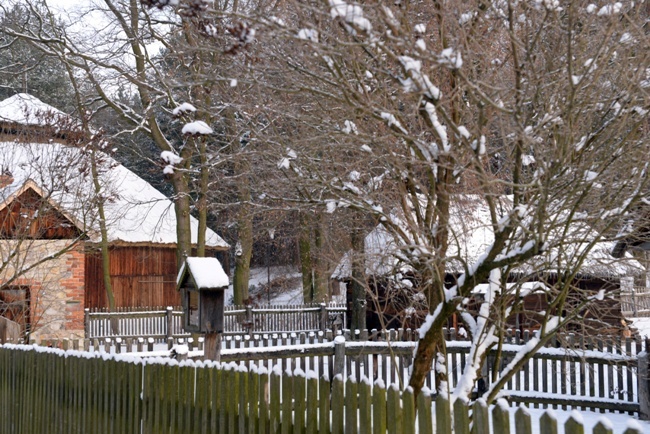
(202, 283)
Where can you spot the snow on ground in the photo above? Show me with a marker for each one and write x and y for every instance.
(291, 292)
(619, 422)
(643, 326)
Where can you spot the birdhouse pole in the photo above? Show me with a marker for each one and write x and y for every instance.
(212, 346)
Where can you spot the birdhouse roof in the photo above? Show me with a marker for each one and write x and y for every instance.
(207, 273)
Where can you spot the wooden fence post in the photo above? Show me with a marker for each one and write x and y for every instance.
(249, 324)
(170, 324)
(323, 317)
(643, 380)
(87, 323)
(339, 355)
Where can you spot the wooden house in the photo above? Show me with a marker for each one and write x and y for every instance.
(49, 225)
(397, 300)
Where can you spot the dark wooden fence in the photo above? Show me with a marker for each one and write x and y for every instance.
(166, 322)
(57, 392)
(590, 374)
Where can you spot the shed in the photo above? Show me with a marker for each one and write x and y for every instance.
(401, 304)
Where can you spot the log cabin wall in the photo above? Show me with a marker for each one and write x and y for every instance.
(142, 276)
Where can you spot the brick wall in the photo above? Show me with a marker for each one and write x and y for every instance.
(56, 286)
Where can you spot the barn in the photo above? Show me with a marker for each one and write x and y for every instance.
(49, 226)
(394, 299)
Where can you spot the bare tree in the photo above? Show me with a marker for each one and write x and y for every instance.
(544, 102)
(536, 109)
(119, 54)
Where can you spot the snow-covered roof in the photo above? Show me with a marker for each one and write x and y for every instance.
(471, 235)
(135, 211)
(26, 109)
(206, 272)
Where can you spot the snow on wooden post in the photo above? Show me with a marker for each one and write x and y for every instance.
(202, 283)
(643, 359)
(339, 355)
(87, 322)
(169, 322)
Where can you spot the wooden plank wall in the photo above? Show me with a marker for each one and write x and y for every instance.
(141, 276)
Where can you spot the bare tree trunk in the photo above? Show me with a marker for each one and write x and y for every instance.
(304, 246)
(358, 281)
(432, 344)
(106, 259)
(243, 254)
(202, 204)
(182, 209)
(320, 292)
(100, 193)
(244, 249)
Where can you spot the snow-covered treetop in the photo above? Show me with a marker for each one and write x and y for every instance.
(471, 235)
(197, 127)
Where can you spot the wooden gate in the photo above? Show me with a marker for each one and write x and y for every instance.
(15, 306)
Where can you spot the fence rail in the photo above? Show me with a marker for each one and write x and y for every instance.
(161, 323)
(58, 392)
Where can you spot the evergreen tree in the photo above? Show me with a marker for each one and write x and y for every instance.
(24, 68)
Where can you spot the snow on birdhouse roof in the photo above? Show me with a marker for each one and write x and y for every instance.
(471, 235)
(206, 272)
(135, 211)
(26, 109)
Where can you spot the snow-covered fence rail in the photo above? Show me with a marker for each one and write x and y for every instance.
(48, 390)
(163, 323)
